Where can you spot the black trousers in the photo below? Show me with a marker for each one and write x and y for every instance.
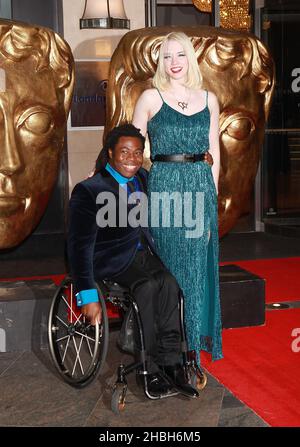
(157, 295)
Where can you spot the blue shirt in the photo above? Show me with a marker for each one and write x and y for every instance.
(117, 176)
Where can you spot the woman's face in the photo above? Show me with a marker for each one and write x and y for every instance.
(175, 60)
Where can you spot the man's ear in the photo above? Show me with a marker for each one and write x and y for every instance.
(110, 153)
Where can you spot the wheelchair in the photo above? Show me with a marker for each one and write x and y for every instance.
(79, 350)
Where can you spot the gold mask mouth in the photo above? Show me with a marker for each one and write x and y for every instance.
(10, 205)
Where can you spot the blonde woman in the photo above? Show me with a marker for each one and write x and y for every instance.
(182, 121)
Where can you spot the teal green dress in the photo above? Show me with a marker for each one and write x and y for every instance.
(192, 260)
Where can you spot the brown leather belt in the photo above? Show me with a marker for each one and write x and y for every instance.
(180, 158)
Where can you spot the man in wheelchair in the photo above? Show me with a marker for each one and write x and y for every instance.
(101, 246)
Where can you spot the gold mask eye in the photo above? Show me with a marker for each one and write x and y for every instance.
(37, 120)
(38, 123)
(240, 129)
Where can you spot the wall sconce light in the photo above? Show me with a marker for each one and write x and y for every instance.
(104, 14)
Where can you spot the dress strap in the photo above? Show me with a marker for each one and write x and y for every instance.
(206, 96)
(160, 95)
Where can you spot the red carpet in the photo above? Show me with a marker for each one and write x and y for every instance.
(282, 277)
(260, 367)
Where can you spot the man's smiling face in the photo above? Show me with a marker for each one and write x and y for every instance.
(127, 156)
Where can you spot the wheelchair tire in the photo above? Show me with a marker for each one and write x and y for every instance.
(199, 380)
(77, 348)
(118, 398)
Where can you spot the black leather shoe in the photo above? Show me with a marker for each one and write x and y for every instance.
(178, 379)
(157, 384)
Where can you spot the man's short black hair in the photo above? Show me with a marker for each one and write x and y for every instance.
(112, 138)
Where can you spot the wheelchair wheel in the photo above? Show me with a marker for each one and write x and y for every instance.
(77, 348)
(118, 398)
(198, 379)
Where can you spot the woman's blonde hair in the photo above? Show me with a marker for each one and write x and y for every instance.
(194, 79)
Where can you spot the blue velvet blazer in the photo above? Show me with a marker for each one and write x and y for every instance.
(95, 252)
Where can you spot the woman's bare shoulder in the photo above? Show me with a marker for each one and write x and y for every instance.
(149, 99)
(149, 93)
(211, 96)
(212, 100)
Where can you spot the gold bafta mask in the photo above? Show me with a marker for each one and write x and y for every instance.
(237, 68)
(36, 84)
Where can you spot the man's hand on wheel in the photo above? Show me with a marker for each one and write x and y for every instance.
(92, 312)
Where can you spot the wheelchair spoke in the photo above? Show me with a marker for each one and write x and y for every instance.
(65, 324)
(62, 338)
(66, 348)
(77, 360)
(89, 346)
(85, 336)
(77, 319)
(72, 303)
(72, 312)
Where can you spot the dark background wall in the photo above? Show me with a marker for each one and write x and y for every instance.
(40, 12)
(284, 4)
(183, 15)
